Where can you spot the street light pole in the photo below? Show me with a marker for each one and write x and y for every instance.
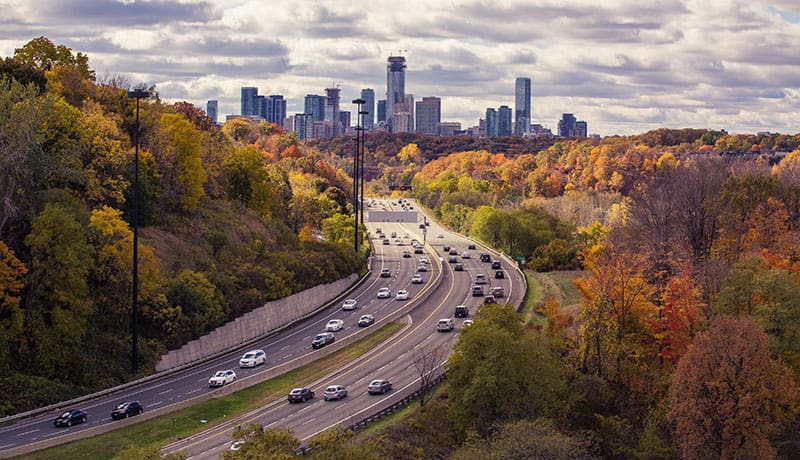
(138, 94)
(356, 203)
(361, 128)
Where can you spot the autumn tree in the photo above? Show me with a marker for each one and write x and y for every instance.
(180, 163)
(12, 273)
(427, 361)
(728, 397)
(259, 443)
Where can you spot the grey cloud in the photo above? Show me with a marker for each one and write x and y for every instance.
(117, 13)
(166, 70)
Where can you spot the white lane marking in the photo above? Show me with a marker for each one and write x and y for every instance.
(166, 391)
(308, 421)
(287, 346)
(193, 391)
(28, 432)
(7, 446)
(156, 403)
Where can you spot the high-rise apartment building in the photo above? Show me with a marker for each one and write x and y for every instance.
(395, 87)
(491, 122)
(368, 95)
(332, 110)
(428, 115)
(566, 126)
(212, 110)
(304, 126)
(275, 110)
(522, 108)
(344, 119)
(504, 121)
(581, 129)
(315, 105)
(249, 96)
(408, 106)
(381, 111)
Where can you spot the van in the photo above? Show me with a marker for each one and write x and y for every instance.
(461, 311)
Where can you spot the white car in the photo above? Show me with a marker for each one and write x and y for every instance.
(384, 293)
(336, 392)
(422, 268)
(423, 260)
(402, 294)
(467, 322)
(416, 279)
(334, 325)
(253, 358)
(221, 378)
(349, 304)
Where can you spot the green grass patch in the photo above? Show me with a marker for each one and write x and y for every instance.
(185, 422)
(550, 284)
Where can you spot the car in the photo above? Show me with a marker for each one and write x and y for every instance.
(452, 259)
(378, 230)
(446, 248)
(399, 242)
(496, 265)
(422, 268)
(485, 257)
(386, 241)
(498, 291)
(480, 278)
(421, 225)
(499, 274)
(322, 339)
(221, 378)
(477, 291)
(423, 260)
(461, 311)
(458, 267)
(402, 294)
(471, 246)
(465, 255)
(414, 242)
(380, 386)
(445, 325)
(253, 358)
(384, 293)
(406, 254)
(394, 235)
(127, 409)
(385, 273)
(300, 395)
(416, 279)
(350, 304)
(236, 445)
(453, 252)
(336, 392)
(467, 322)
(70, 418)
(441, 235)
(366, 320)
(489, 299)
(334, 325)
(418, 250)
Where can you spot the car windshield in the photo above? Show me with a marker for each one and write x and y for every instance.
(297, 391)
(331, 389)
(220, 374)
(65, 415)
(248, 355)
(122, 405)
(319, 336)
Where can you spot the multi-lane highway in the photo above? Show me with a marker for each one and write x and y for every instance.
(442, 289)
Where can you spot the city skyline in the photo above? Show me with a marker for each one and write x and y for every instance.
(626, 67)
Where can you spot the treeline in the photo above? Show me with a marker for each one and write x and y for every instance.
(229, 218)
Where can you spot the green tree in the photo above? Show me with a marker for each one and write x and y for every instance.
(496, 358)
(58, 301)
(181, 163)
(43, 54)
(267, 444)
(727, 396)
(202, 305)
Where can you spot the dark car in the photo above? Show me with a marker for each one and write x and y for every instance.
(127, 409)
(418, 250)
(489, 299)
(471, 246)
(446, 248)
(498, 291)
(459, 267)
(485, 257)
(452, 259)
(461, 311)
(71, 418)
(496, 264)
(322, 339)
(300, 395)
(499, 274)
(379, 387)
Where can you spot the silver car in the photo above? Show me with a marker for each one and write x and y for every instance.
(336, 392)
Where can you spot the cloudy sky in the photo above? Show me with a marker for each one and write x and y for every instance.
(623, 66)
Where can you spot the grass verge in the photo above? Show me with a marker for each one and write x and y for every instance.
(182, 423)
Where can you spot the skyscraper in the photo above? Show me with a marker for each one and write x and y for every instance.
(395, 86)
(249, 95)
(212, 110)
(368, 95)
(275, 109)
(491, 122)
(304, 126)
(504, 121)
(429, 115)
(381, 111)
(315, 105)
(522, 112)
(344, 119)
(581, 129)
(332, 110)
(566, 126)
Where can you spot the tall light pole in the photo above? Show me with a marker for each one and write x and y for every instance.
(138, 94)
(356, 204)
(361, 129)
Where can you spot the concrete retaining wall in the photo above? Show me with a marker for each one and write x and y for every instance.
(256, 323)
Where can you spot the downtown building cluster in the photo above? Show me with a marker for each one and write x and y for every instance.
(399, 112)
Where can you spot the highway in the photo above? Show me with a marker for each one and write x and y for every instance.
(442, 289)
